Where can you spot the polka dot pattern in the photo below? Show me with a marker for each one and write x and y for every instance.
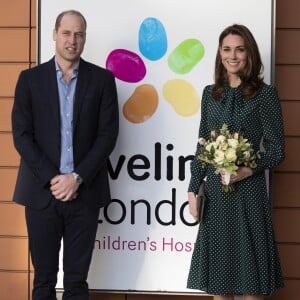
(235, 251)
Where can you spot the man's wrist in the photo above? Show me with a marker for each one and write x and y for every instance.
(77, 178)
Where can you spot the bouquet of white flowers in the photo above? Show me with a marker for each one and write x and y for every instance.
(226, 151)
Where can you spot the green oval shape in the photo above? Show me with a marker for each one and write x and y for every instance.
(185, 56)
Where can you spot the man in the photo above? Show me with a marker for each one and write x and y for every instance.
(65, 126)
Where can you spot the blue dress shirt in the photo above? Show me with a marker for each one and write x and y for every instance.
(66, 92)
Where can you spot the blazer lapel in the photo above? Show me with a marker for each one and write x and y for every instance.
(51, 90)
(81, 89)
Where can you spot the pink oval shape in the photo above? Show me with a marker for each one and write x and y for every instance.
(126, 65)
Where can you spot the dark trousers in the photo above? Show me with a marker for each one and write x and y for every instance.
(76, 225)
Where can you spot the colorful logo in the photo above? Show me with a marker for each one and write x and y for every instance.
(129, 67)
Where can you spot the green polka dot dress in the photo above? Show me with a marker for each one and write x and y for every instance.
(235, 251)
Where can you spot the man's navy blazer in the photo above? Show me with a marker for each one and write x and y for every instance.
(36, 132)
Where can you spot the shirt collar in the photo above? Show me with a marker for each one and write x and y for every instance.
(58, 69)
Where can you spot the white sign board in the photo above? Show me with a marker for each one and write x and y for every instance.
(146, 236)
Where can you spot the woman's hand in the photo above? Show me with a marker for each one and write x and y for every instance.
(193, 205)
(242, 173)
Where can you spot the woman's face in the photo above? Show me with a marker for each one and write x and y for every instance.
(233, 54)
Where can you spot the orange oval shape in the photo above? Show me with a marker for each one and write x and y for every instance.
(141, 105)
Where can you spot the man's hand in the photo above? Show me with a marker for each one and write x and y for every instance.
(64, 187)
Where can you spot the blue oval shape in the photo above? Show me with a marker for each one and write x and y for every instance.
(152, 39)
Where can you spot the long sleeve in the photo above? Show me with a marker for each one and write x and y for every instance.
(272, 129)
(25, 132)
(198, 168)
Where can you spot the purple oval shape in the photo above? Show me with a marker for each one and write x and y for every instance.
(126, 65)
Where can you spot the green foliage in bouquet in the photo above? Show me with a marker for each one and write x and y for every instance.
(227, 151)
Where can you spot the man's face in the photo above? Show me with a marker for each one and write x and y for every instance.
(69, 38)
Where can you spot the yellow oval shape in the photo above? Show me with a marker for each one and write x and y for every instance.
(141, 105)
(182, 96)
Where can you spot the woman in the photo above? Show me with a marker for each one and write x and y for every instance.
(235, 251)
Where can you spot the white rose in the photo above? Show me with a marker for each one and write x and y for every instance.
(233, 143)
(202, 141)
(219, 157)
(220, 139)
(231, 154)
